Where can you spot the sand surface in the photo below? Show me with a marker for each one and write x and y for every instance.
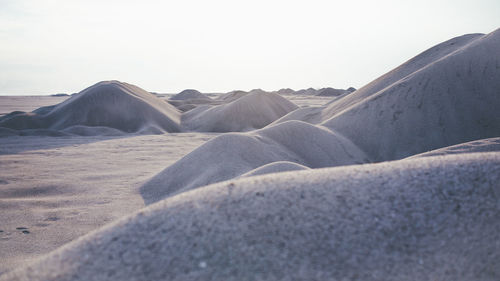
(399, 180)
(59, 188)
(431, 218)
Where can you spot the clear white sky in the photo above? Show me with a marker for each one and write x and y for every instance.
(219, 45)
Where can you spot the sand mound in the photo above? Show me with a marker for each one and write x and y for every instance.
(434, 218)
(232, 96)
(189, 94)
(285, 91)
(310, 115)
(275, 167)
(413, 65)
(106, 104)
(451, 97)
(306, 92)
(252, 111)
(231, 155)
(331, 92)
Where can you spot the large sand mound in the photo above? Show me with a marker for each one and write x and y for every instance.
(433, 218)
(343, 102)
(452, 96)
(252, 111)
(113, 104)
(231, 155)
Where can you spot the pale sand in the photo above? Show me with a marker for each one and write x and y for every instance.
(431, 218)
(254, 110)
(113, 104)
(61, 188)
(422, 218)
(232, 155)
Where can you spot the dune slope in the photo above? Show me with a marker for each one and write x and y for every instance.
(452, 99)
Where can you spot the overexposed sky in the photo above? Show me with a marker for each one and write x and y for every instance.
(49, 46)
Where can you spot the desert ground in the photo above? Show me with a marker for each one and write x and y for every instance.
(396, 180)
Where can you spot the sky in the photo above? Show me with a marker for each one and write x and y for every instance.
(49, 46)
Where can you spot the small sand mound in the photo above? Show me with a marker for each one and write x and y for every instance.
(252, 111)
(232, 155)
(307, 92)
(189, 94)
(232, 96)
(111, 104)
(310, 115)
(331, 92)
(285, 91)
(434, 218)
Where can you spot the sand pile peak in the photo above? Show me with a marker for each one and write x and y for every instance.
(252, 111)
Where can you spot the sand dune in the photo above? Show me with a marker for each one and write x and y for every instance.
(452, 99)
(232, 96)
(111, 104)
(421, 219)
(232, 155)
(332, 92)
(310, 115)
(251, 111)
(285, 201)
(418, 63)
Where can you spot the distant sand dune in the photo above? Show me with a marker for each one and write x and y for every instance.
(110, 104)
(252, 111)
(189, 94)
